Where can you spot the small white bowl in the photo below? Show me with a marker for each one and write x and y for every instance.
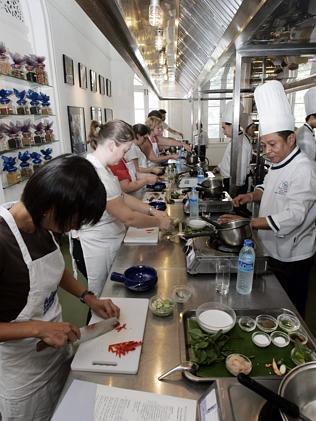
(196, 224)
(280, 339)
(256, 339)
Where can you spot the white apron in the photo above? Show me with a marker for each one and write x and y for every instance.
(132, 172)
(23, 371)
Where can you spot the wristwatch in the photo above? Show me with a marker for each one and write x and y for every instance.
(82, 296)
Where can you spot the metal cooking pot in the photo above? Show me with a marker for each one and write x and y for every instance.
(231, 234)
(212, 186)
(299, 386)
(296, 398)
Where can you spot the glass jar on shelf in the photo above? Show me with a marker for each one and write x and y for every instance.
(5, 67)
(36, 160)
(22, 107)
(17, 67)
(39, 134)
(30, 64)
(26, 168)
(14, 135)
(12, 172)
(49, 133)
(26, 132)
(34, 98)
(6, 106)
(41, 74)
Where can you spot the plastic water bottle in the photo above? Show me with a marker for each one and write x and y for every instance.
(178, 166)
(194, 204)
(200, 175)
(246, 263)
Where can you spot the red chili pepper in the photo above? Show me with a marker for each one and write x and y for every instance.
(120, 327)
(122, 348)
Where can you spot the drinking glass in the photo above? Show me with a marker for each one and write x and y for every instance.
(222, 276)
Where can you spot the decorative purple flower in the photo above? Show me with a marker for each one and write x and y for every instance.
(3, 50)
(11, 129)
(25, 126)
(30, 62)
(48, 125)
(39, 127)
(17, 59)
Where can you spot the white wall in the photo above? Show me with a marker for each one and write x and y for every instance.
(179, 116)
(75, 35)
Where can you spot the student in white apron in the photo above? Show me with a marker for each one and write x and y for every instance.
(151, 147)
(287, 197)
(136, 155)
(63, 194)
(95, 247)
(305, 136)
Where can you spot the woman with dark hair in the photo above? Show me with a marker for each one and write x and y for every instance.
(62, 195)
(95, 246)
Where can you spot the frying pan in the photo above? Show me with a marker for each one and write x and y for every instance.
(137, 278)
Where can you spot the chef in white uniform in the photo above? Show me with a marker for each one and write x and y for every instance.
(63, 194)
(305, 136)
(287, 215)
(244, 152)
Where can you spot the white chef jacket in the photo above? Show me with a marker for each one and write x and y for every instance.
(243, 163)
(289, 205)
(305, 139)
(200, 138)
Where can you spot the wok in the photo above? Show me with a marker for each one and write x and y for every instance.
(231, 234)
(297, 392)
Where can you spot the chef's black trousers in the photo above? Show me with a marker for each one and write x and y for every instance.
(201, 152)
(293, 276)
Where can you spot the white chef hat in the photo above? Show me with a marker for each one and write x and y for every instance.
(246, 120)
(310, 101)
(227, 116)
(274, 110)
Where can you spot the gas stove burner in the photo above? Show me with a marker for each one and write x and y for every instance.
(221, 247)
(269, 413)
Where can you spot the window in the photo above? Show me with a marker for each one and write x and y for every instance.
(223, 79)
(144, 101)
(139, 105)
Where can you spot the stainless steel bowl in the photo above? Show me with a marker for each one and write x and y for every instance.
(299, 386)
(234, 233)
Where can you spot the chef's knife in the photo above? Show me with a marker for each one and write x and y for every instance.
(88, 332)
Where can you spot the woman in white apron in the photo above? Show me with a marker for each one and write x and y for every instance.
(151, 147)
(100, 243)
(64, 193)
(132, 182)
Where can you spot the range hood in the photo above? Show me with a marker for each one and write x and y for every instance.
(198, 36)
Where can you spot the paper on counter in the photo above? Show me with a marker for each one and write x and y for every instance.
(114, 403)
(90, 402)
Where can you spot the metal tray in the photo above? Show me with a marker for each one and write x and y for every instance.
(186, 353)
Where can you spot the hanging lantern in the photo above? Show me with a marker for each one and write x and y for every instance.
(159, 41)
(154, 13)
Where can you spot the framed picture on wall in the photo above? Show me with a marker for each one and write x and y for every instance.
(77, 129)
(96, 114)
(101, 85)
(108, 114)
(83, 79)
(108, 87)
(93, 81)
(68, 70)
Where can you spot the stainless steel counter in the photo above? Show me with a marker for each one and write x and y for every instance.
(161, 348)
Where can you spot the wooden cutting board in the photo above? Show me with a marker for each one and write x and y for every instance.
(133, 313)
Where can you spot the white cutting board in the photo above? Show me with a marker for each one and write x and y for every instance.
(133, 313)
(142, 235)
